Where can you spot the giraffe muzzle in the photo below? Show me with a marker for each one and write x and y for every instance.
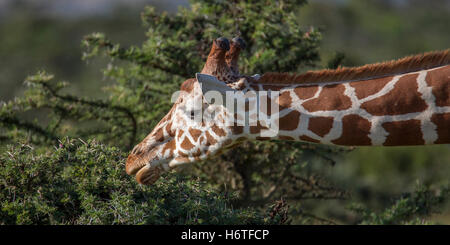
(147, 168)
(148, 175)
(152, 171)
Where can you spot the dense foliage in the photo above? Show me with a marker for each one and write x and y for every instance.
(84, 183)
(50, 179)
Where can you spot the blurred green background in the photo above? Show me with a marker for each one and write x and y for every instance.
(47, 36)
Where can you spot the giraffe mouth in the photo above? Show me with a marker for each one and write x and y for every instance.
(148, 174)
(146, 169)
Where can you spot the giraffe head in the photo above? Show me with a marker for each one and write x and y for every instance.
(193, 129)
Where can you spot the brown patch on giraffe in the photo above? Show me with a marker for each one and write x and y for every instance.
(186, 144)
(290, 121)
(331, 97)
(439, 80)
(218, 131)
(182, 154)
(169, 130)
(366, 88)
(355, 131)
(285, 100)
(188, 85)
(320, 125)
(257, 129)
(401, 66)
(306, 92)
(180, 133)
(209, 139)
(285, 137)
(197, 153)
(442, 121)
(402, 99)
(195, 133)
(403, 133)
(159, 135)
(171, 145)
(309, 139)
(237, 129)
(272, 87)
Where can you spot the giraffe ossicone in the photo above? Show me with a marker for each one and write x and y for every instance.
(404, 102)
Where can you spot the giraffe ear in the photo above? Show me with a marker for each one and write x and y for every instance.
(211, 83)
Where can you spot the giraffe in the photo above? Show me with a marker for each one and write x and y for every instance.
(397, 103)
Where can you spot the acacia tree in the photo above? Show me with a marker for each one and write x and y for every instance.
(143, 80)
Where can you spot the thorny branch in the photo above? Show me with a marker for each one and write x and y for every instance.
(28, 126)
(101, 105)
(138, 57)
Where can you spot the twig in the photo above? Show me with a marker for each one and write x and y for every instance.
(29, 126)
(100, 104)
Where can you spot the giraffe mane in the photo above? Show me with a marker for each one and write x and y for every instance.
(388, 68)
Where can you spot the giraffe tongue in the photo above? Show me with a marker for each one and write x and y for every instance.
(148, 174)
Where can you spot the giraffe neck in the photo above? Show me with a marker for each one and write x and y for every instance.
(405, 109)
